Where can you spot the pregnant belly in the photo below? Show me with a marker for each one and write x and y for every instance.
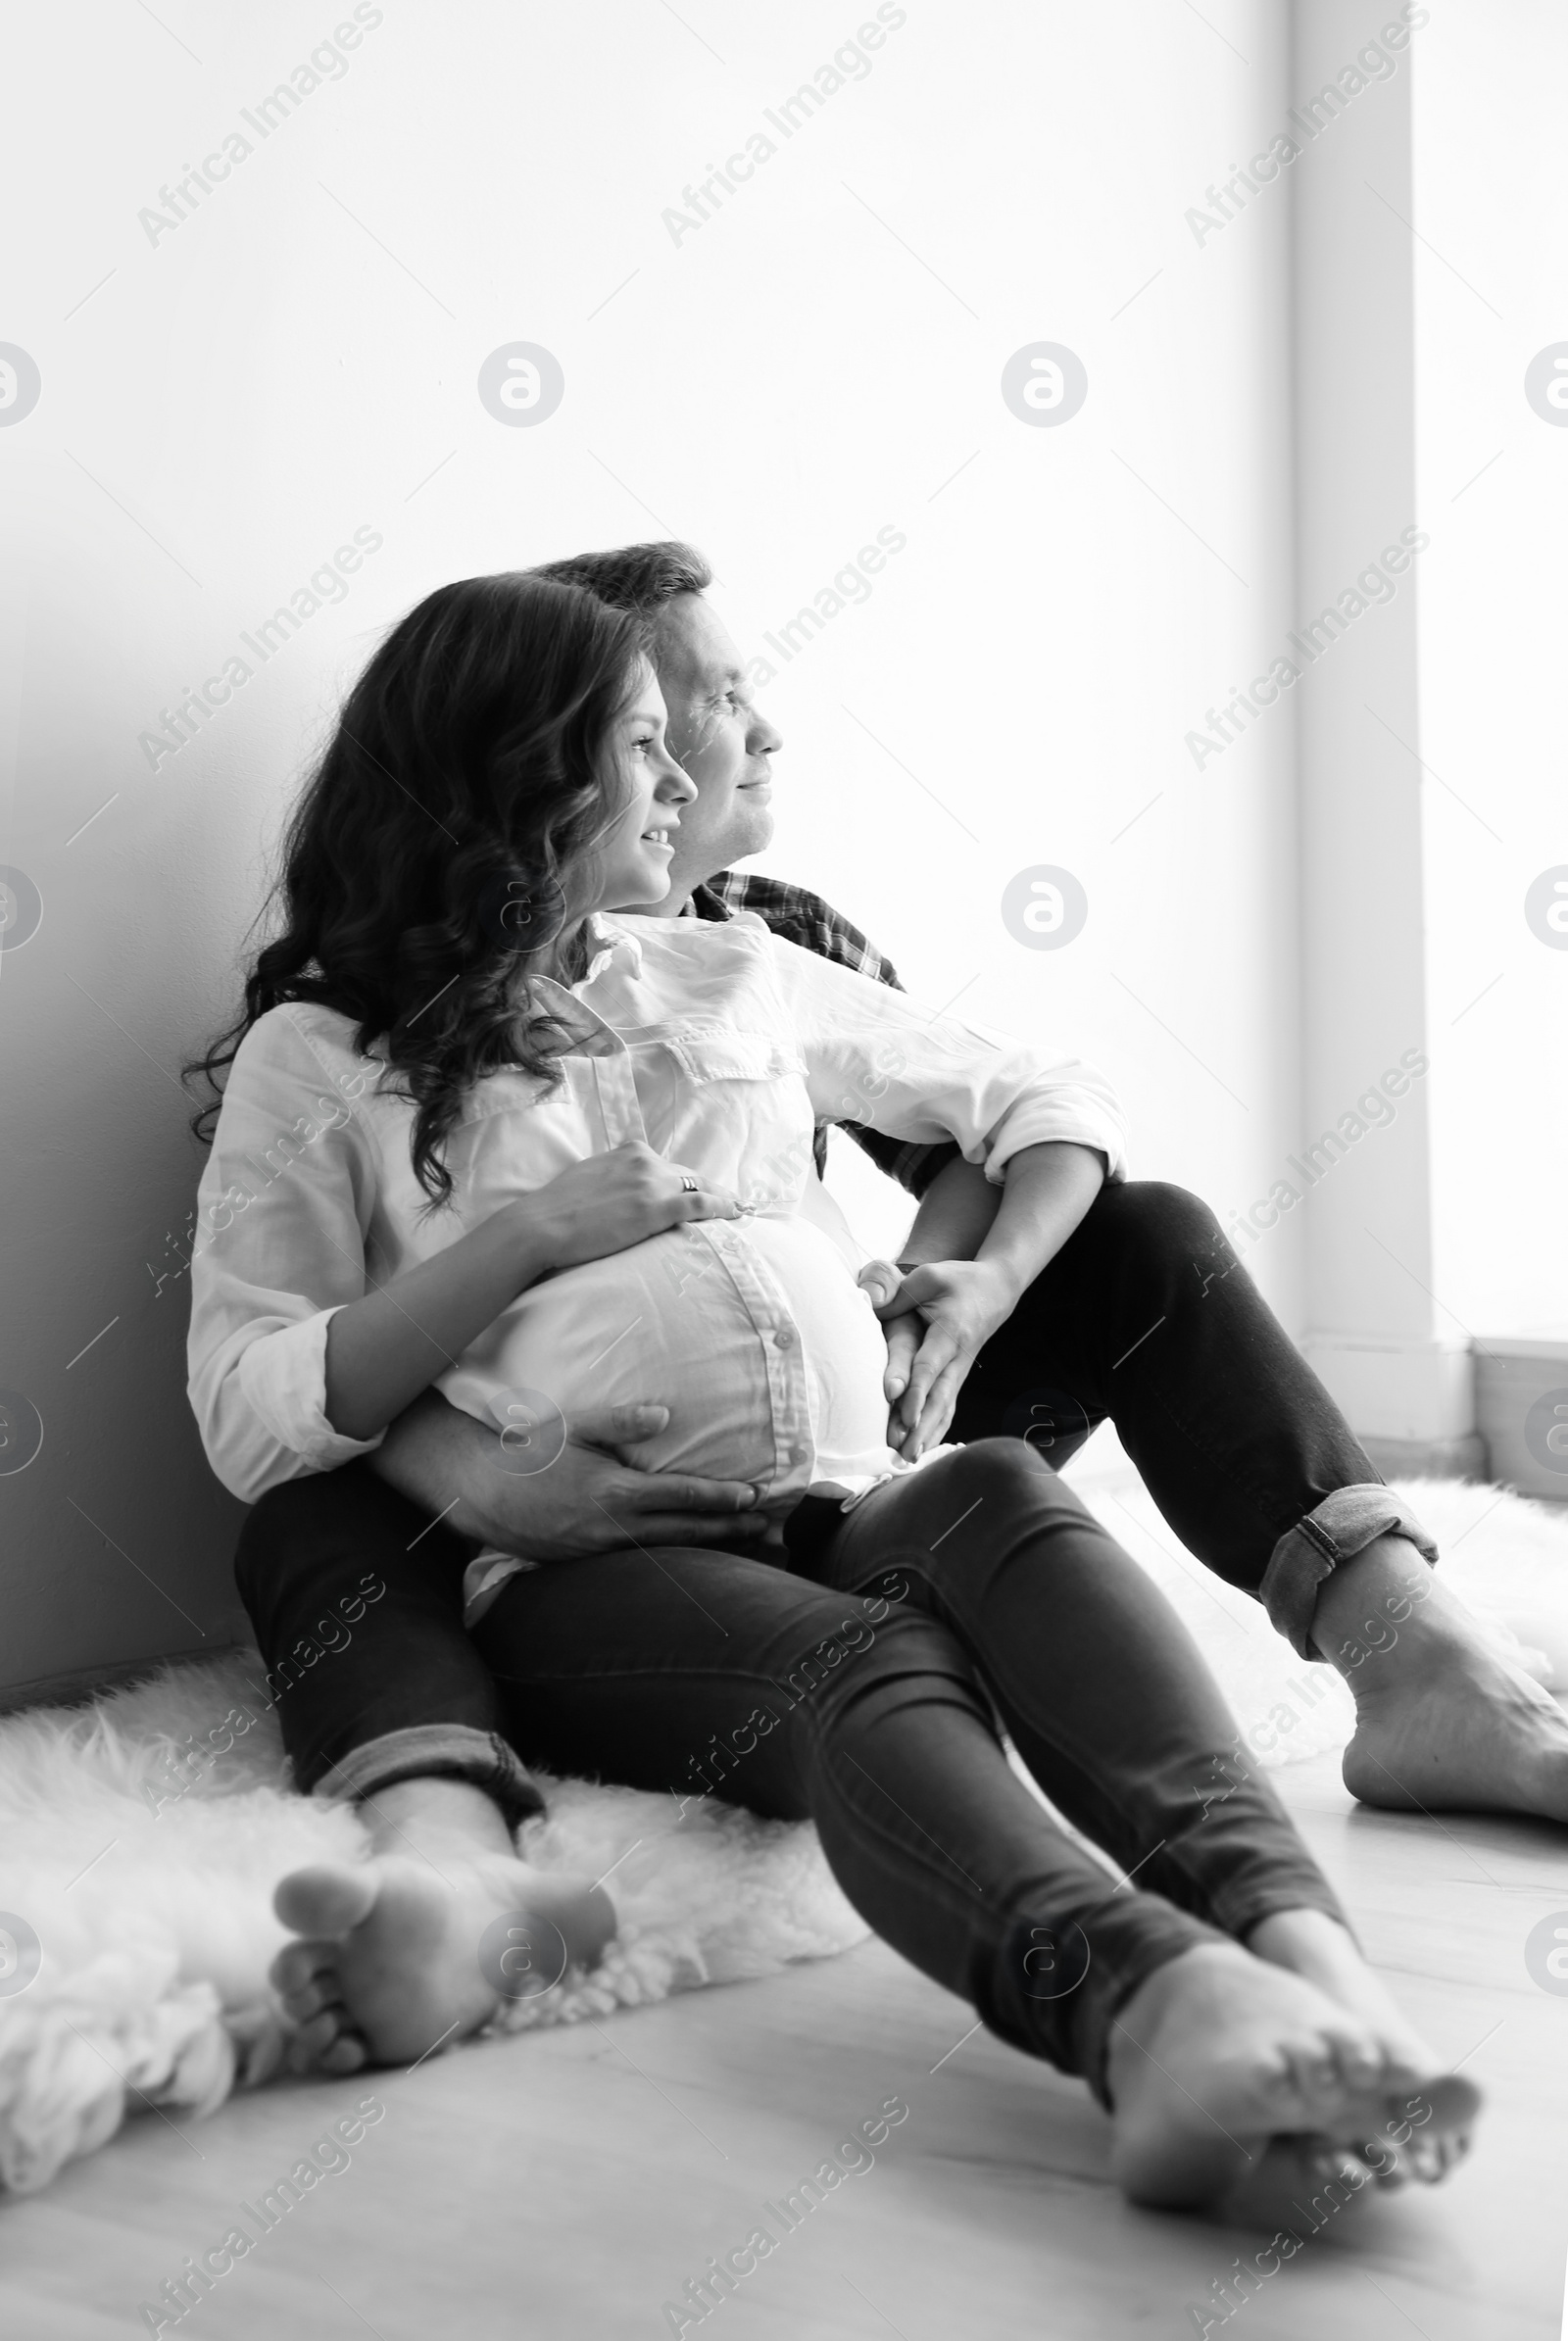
(752, 1333)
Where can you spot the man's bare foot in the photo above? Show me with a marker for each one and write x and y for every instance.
(1469, 1732)
(1444, 1722)
(1219, 2056)
(401, 1956)
(412, 1950)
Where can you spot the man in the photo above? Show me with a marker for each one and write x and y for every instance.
(1143, 1315)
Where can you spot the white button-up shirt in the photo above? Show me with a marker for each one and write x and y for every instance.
(721, 1046)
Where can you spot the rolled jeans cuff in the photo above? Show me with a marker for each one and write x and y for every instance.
(439, 1752)
(1344, 1524)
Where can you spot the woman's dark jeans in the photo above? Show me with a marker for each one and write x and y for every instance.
(855, 1688)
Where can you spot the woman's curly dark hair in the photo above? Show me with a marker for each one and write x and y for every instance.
(427, 854)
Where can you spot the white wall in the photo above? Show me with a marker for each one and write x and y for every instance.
(1365, 1172)
(237, 399)
(1493, 482)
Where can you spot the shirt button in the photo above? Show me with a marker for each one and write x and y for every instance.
(783, 1339)
(800, 1454)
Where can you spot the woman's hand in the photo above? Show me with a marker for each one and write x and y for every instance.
(613, 1201)
(937, 1318)
(383, 1349)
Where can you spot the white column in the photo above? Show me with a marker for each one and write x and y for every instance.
(1374, 1332)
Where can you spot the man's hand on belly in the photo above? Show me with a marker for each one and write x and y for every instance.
(591, 1499)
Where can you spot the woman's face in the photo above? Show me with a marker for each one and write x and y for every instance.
(632, 857)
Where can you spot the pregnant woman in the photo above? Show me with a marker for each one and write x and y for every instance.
(478, 1134)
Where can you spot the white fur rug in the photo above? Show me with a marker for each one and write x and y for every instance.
(147, 1879)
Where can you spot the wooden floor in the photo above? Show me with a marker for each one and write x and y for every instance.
(563, 2187)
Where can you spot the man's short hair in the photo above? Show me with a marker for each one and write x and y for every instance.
(640, 578)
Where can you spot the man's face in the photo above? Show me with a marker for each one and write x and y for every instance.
(720, 741)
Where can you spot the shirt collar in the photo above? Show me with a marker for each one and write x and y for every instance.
(610, 944)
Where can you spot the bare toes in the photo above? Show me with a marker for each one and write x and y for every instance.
(347, 2054)
(1361, 2061)
(318, 2035)
(297, 1965)
(327, 1899)
(325, 1991)
(1313, 2079)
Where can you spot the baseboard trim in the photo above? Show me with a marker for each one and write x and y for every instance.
(1461, 1458)
(1404, 1393)
(83, 1684)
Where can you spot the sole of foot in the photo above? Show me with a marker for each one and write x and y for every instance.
(1298, 2183)
(398, 1958)
(1220, 2059)
(1418, 2138)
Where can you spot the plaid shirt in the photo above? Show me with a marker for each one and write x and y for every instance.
(804, 918)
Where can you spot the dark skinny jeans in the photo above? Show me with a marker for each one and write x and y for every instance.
(861, 1684)
(858, 1689)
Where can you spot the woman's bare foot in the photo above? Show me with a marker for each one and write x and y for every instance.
(1219, 2056)
(1444, 1722)
(411, 1950)
(399, 1958)
(1432, 2133)
(1310, 1944)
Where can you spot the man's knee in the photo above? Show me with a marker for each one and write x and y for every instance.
(1157, 1215)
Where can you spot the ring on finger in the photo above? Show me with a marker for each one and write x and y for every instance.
(689, 1184)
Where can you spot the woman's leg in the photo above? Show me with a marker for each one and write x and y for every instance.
(695, 1673)
(1110, 1706)
(1147, 1316)
(686, 1671)
(1102, 1688)
(392, 1969)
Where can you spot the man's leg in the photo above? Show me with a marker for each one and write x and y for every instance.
(1147, 1316)
(355, 1598)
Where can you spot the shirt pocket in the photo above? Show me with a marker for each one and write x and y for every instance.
(741, 1110)
(734, 1056)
